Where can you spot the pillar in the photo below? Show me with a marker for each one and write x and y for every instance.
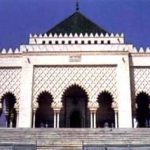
(35, 107)
(93, 106)
(124, 92)
(16, 106)
(116, 118)
(56, 118)
(25, 108)
(34, 112)
(115, 108)
(91, 120)
(94, 119)
(56, 105)
(58, 114)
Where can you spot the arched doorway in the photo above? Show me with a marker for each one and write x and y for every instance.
(74, 113)
(75, 119)
(105, 113)
(143, 117)
(44, 114)
(8, 112)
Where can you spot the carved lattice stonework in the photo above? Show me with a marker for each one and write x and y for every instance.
(141, 80)
(10, 81)
(94, 79)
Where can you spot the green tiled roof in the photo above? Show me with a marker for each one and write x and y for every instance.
(76, 23)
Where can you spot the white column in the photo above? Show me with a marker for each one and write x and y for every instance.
(17, 116)
(55, 119)
(116, 119)
(124, 92)
(34, 112)
(35, 106)
(11, 124)
(25, 104)
(94, 119)
(16, 107)
(93, 106)
(56, 105)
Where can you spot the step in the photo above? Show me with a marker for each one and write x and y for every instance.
(64, 138)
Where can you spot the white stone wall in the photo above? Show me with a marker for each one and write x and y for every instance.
(124, 93)
(38, 67)
(25, 108)
(54, 72)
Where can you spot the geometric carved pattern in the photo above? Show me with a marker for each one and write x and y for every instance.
(10, 81)
(141, 79)
(56, 79)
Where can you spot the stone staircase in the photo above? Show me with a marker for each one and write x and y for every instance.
(74, 139)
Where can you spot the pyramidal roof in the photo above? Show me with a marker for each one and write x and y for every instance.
(76, 23)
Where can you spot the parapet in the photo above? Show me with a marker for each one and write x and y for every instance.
(141, 50)
(71, 39)
(10, 51)
(76, 42)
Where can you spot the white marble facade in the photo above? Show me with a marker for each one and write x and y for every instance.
(112, 66)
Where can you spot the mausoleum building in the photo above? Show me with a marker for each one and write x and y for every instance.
(75, 75)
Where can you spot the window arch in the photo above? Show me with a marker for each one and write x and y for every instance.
(105, 113)
(44, 114)
(142, 110)
(8, 113)
(75, 112)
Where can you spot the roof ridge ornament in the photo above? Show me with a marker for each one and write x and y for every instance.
(77, 5)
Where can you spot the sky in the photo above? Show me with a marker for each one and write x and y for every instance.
(19, 18)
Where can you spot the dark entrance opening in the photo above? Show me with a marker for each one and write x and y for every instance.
(44, 114)
(105, 113)
(75, 119)
(143, 118)
(74, 113)
(8, 112)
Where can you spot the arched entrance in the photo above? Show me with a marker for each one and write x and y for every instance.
(8, 112)
(44, 114)
(143, 117)
(105, 113)
(75, 113)
(75, 119)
